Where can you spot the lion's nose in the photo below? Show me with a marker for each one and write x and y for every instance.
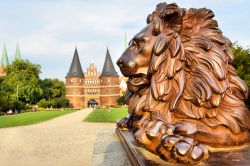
(131, 64)
(120, 62)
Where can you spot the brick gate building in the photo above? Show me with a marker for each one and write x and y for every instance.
(90, 88)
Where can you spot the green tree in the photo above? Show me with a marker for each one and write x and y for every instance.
(242, 62)
(52, 88)
(22, 81)
(242, 65)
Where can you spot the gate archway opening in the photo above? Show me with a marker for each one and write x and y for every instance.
(92, 103)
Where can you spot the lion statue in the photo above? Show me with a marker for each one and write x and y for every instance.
(183, 93)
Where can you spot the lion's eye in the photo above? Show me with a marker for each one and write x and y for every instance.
(134, 43)
(139, 44)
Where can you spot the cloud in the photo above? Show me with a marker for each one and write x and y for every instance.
(48, 31)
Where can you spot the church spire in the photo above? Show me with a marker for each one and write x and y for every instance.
(108, 67)
(75, 68)
(18, 54)
(5, 60)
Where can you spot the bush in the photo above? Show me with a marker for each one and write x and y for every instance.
(43, 103)
(121, 100)
(40, 109)
(28, 106)
(61, 102)
(55, 103)
(6, 102)
(19, 105)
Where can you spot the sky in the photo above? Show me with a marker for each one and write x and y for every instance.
(49, 30)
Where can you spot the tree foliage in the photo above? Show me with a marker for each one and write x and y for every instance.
(242, 65)
(52, 88)
(22, 81)
(22, 86)
(242, 62)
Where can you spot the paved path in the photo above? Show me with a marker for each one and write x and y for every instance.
(63, 141)
(108, 150)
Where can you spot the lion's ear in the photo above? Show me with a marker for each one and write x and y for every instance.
(172, 14)
(170, 10)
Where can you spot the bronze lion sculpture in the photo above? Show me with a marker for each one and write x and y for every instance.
(183, 93)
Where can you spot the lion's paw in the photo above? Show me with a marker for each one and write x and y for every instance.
(154, 135)
(149, 133)
(182, 149)
(126, 122)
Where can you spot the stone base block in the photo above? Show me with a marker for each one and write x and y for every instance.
(138, 156)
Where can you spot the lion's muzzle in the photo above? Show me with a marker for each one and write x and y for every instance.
(127, 65)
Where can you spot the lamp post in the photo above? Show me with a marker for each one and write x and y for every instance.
(17, 92)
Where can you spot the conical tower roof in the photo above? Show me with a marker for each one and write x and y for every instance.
(75, 68)
(18, 54)
(5, 60)
(108, 67)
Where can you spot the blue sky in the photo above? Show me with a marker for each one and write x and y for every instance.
(48, 31)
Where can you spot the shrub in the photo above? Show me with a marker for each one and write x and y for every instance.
(55, 103)
(19, 105)
(43, 103)
(28, 106)
(40, 109)
(6, 102)
(121, 100)
(61, 102)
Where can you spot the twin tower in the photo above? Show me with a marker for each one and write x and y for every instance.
(91, 88)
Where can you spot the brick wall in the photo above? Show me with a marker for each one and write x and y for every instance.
(2, 73)
(74, 91)
(104, 90)
(109, 91)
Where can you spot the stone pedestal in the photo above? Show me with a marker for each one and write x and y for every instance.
(140, 157)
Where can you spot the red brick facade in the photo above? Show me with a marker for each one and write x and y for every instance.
(110, 90)
(2, 73)
(75, 91)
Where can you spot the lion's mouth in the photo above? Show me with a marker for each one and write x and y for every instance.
(137, 82)
(128, 72)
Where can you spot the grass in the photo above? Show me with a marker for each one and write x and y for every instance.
(106, 115)
(29, 118)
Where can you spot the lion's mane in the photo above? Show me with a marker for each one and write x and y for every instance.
(191, 72)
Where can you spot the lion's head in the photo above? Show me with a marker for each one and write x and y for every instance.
(185, 63)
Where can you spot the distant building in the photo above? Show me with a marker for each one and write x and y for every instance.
(90, 88)
(123, 85)
(5, 60)
(18, 54)
(2, 73)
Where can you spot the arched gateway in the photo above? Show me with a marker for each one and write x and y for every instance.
(92, 103)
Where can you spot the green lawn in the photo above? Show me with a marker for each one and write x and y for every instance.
(29, 118)
(106, 115)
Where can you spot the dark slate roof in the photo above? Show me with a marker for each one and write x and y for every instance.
(75, 68)
(108, 69)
